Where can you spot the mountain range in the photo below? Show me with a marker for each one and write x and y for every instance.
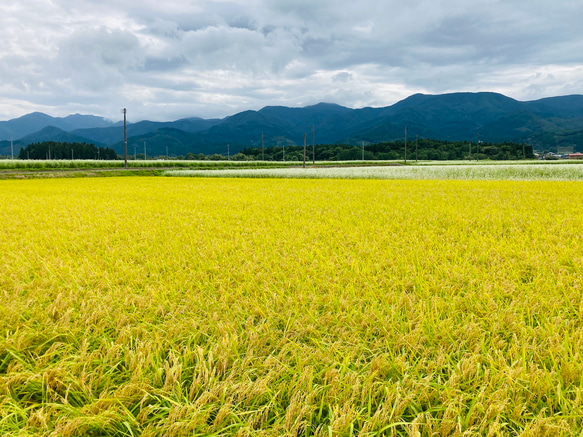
(549, 123)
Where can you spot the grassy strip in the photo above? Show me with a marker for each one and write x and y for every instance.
(98, 164)
(76, 173)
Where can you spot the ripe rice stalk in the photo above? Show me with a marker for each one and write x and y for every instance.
(200, 306)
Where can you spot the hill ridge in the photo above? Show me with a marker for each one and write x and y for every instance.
(546, 122)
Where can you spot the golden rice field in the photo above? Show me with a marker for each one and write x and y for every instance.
(282, 307)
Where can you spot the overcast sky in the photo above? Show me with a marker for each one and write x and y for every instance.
(171, 59)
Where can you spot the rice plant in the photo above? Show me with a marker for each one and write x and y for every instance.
(270, 307)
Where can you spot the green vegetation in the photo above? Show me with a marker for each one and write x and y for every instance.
(48, 150)
(103, 164)
(33, 169)
(423, 149)
(214, 157)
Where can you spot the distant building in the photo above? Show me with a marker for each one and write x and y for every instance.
(552, 156)
(576, 155)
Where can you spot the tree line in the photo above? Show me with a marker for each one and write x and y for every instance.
(422, 149)
(58, 150)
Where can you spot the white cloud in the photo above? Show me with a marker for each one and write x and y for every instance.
(181, 58)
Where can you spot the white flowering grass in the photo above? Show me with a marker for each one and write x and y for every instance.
(489, 162)
(559, 172)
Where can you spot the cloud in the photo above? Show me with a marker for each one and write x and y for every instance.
(342, 77)
(183, 58)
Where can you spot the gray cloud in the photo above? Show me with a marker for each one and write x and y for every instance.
(182, 58)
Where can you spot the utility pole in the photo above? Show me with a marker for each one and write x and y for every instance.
(362, 143)
(283, 146)
(49, 153)
(523, 152)
(262, 148)
(304, 150)
(166, 153)
(470, 157)
(228, 152)
(135, 154)
(416, 143)
(11, 149)
(72, 155)
(125, 138)
(313, 148)
(405, 145)
(144, 150)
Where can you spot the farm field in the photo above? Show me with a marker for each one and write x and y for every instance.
(433, 170)
(65, 164)
(266, 307)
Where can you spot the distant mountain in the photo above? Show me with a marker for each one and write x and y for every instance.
(30, 123)
(546, 124)
(305, 118)
(174, 141)
(52, 133)
(112, 135)
(245, 128)
(194, 124)
(465, 116)
(562, 107)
